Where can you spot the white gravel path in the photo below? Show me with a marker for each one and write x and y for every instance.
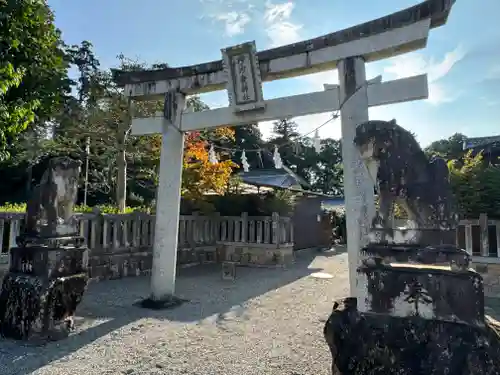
(268, 321)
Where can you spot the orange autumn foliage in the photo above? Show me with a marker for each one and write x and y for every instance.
(199, 175)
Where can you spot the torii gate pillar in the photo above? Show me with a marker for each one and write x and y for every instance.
(358, 187)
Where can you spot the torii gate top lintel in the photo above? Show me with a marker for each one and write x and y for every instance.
(208, 76)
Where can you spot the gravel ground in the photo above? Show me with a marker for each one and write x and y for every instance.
(268, 321)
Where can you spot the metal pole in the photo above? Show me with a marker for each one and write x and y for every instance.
(87, 153)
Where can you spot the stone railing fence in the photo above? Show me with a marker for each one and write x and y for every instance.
(130, 237)
(480, 237)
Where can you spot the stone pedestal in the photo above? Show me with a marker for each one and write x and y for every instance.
(381, 344)
(433, 283)
(420, 311)
(44, 286)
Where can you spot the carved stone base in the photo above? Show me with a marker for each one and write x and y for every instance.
(42, 290)
(432, 283)
(34, 307)
(48, 262)
(50, 241)
(373, 344)
(448, 255)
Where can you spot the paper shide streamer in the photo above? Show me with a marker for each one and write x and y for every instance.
(244, 162)
(212, 157)
(278, 163)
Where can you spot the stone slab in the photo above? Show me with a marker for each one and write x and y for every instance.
(419, 253)
(427, 291)
(46, 262)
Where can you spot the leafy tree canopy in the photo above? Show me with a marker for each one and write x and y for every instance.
(33, 68)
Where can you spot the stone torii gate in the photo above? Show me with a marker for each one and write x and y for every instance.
(241, 72)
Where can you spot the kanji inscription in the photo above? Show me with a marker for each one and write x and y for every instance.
(244, 84)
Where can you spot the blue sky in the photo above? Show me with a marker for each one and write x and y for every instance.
(462, 58)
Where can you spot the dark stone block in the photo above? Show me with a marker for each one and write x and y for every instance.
(373, 344)
(419, 253)
(33, 306)
(46, 262)
(431, 292)
(40, 293)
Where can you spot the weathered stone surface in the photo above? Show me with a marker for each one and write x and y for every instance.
(48, 271)
(448, 255)
(32, 306)
(50, 263)
(372, 344)
(49, 211)
(403, 174)
(430, 292)
(41, 291)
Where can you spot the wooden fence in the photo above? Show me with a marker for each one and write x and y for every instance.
(136, 230)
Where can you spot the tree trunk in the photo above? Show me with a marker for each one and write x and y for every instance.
(121, 159)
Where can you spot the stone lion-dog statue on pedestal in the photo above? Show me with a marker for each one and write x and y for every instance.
(404, 174)
(53, 200)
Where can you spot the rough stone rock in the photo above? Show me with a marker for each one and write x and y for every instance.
(377, 344)
(34, 307)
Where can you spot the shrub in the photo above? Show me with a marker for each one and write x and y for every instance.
(105, 209)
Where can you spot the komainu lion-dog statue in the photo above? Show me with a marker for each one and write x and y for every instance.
(404, 174)
(53, 199)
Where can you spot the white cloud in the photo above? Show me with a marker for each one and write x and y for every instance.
(234, 22)
(235, 15)
(280, 29)
(415, 63)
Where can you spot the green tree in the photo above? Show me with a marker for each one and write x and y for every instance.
(285, 130)
(33, 68)
(247, 137)
(449, 149)
(476, 186)
(323, 170)
(291, 147)
(329, 174)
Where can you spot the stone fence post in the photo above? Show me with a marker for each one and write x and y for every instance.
(244, 227)
(276, 225)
